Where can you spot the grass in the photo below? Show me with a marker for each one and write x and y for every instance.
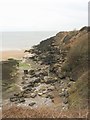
(24, 65)
(43, 112)
(9, 76)
(79, 93)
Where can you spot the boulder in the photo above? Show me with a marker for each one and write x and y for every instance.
(37, 80)
(33, 95)
(40, 93)
(64, 93)
(51, 88)
(21, 100)
(69, 85)
(61, 75)
(49, 80)
(13, 99)
(32, 104)
(25, 71)
(49, 96)
(65, 100)
(31, 72)
(16, 94)
(26, 95)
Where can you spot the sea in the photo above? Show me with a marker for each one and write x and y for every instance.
(17, 40)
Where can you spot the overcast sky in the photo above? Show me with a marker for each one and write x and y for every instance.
(43, 15)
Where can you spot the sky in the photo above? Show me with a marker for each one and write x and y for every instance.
(43, 15)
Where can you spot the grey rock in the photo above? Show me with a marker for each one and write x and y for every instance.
(25, 71)
(33, 95)
(51, 88)
(49, 80)
(65, 100)
(31, 72)
(40, 93)
(13, 99)
(32, 104)
(21, 100)
(50, 96)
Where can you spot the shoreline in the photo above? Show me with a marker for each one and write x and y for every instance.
(15, 54)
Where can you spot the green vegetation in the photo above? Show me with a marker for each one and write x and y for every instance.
(24, 65)
(9, 76)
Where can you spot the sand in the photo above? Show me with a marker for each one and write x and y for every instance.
(17, 54)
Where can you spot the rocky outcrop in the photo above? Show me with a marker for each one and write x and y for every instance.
(57, 65)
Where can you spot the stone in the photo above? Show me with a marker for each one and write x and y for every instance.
(69, 85)
(50, 96)
(37, 80)
(40, 93)
(49, 80)
(32, 104)
(13, 99)
(65, 101)
(25, 71)
(23, 82)
(61, 94)
(26, 95)
(44, 92)
(31, 72)
(28, 90)
(33, 95)
(64, 93)
(16, 94)
(21, 100)
(20, 95)
(51, 88)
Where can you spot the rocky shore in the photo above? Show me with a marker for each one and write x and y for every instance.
(49, 75)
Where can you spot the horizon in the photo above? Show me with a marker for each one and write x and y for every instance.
(21, 40)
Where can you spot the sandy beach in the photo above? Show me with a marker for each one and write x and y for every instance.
(17, 54)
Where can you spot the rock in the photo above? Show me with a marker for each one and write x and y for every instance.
(16, 94)
(26, 95)
(69, 85)
(28, 90)
(61, 76)
(31, 84)
(72, 79)
(63, 89)
(44, 73)
(61, 94)
(23, 82)
(40, 94)
(65, 100)
(44, 92)
(13, 99)
(49, 80)
(37, 80)
(62, 82)
(33, 95)
(21, 100)
(51, 88)
(64, 93)
(50, 96)
(32, 104)
(20, 95)
(25, 71)
(31, 72)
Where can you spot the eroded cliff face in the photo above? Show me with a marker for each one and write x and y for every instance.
(66, 54)
(56, 76)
